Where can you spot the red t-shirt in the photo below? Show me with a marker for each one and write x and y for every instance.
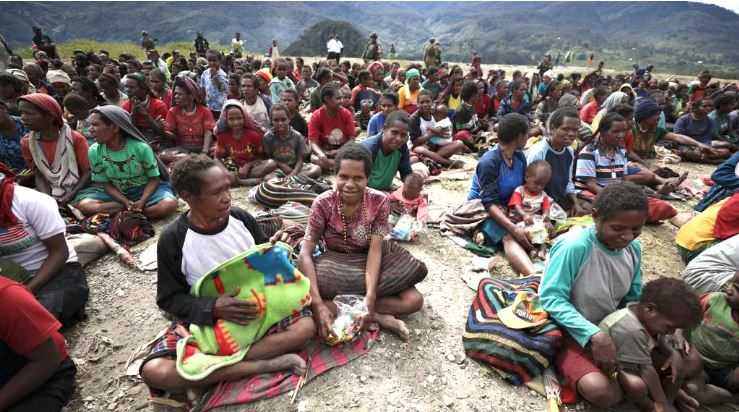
(24, 323)
(482, 106)
(49, 148)
(629, 141)
(190, 128)
(157, 110)
(246, 149)
(331, 131)
(589, 111)
(727, 219)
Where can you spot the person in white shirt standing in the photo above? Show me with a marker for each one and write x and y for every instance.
(334, 47)
(237, 45)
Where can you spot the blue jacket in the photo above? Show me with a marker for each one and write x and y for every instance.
(374, 144)
(493, 181)
(727, 183)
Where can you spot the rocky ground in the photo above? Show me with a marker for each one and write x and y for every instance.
(429, 373)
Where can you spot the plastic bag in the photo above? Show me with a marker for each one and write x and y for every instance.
(351, 309)
(537, 231)
(407, 229)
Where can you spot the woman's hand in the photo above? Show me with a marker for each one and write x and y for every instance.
(520, 235)
(137, 206)
(279, 236)
(604, 352)
(324, 319)
(227, 307)
(369, 318)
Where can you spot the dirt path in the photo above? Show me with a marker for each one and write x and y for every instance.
(430, 373)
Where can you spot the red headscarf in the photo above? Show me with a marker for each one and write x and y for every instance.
(46, 104)
(375, 66)
(192, 88)
(7, 187)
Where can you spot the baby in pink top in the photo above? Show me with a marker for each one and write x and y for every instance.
(410, 198)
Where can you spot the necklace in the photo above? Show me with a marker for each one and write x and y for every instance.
(360, 232)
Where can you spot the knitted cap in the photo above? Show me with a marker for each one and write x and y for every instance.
(644, 109)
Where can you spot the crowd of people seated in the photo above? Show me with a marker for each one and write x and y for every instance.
(93, 135)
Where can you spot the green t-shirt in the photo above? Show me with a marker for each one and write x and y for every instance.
(384, 168)
(125, 169)
(717, 338)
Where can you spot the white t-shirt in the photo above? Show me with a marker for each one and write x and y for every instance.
(334, 46)
(203, 252)
(258, 112)
(38, 219)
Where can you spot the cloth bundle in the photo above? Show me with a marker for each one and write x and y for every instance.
(517, 355)
(301, 189)
(128, 228)
(264, 275)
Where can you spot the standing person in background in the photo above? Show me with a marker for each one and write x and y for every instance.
(214, 83)
(146, 41)
(373, 51)
(334, 47)
(237, 45)
(44, 43)
(274, 51)
(201, 45)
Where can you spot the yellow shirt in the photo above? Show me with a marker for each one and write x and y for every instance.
(406, 97)
(699, 230)
(454, 102)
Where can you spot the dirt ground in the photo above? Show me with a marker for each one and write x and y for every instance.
(429, 373)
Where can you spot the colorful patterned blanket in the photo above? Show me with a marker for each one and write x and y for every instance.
(262, 274)
(518, 355)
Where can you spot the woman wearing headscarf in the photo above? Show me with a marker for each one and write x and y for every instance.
(189, 123)
(613, 100)
(239, 145)
(56, 153)
(408, 94)
(37, 254)
(147, 111)
(125, 170)
(377, 70)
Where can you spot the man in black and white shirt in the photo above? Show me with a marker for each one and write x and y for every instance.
(211, 232)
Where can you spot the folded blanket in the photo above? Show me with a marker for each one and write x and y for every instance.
(302, 189)
(263, 274)
(321, 359)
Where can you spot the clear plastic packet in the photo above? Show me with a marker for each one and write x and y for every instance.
(350, 311)
(407, 229)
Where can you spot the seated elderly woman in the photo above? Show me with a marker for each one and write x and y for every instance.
(211, 233)
(352, 220)
(125, 170)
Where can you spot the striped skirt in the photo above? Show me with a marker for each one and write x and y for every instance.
(344, 273)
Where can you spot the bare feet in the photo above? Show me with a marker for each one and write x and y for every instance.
(289, 361)
(394, 325)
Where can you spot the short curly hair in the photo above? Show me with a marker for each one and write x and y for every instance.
(674, 299)
(354, 151)
(186, 173)
(620, 197)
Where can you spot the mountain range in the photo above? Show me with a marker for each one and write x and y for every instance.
(680, 37)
